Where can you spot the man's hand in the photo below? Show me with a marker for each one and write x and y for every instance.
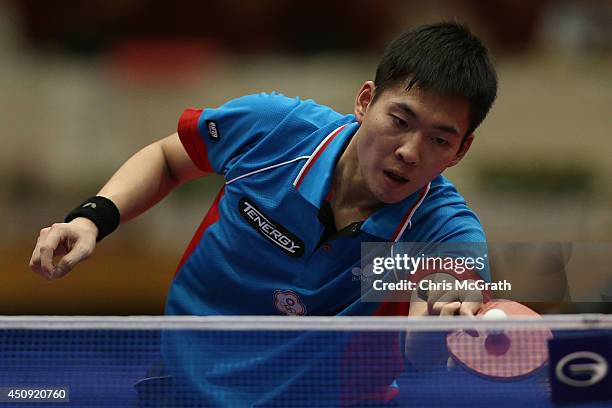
(73, 242)
(445, 302)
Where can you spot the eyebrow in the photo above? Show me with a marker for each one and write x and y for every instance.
(444, 128)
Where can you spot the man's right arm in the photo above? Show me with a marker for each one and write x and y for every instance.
(141, 182)
(148, 176)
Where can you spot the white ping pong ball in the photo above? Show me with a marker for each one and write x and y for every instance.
(495, 314)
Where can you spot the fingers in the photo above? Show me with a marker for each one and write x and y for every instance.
(435, 306)
(35, 263)
(450, 309)
(437, 280)
(468, 303)
(73, 243)
(78, 253)
(451, 302)
(47, 249)
(469, 308)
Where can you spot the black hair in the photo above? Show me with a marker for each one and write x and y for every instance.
(445, 58)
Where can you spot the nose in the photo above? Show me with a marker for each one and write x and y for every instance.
(409, 151)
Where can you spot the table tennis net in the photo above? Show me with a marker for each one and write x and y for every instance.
(276, 361)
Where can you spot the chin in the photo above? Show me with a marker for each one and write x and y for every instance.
(390, 198)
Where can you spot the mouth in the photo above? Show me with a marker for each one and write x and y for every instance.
(395, 177)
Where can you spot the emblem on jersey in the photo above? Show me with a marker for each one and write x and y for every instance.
(213, 131)
(270, 229)
(287, 302)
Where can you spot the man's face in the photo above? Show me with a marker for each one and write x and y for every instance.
(407, 138)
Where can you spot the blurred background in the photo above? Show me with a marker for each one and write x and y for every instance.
(85, 84)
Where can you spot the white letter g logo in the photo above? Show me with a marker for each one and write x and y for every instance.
(585, 373)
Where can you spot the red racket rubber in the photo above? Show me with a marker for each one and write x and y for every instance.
(510, 354)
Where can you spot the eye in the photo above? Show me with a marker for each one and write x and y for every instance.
(399, 122)
(439, 141)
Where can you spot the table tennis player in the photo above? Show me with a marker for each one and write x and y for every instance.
(304, 187)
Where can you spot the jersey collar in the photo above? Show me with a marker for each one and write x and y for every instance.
(314, 179)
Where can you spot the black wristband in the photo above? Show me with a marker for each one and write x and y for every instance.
(101, 211)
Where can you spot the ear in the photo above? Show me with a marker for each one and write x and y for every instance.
(363, 100)
(467, 143)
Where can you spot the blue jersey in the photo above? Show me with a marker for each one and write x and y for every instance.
(266, 246)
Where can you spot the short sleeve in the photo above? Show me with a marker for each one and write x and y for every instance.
(216, 138)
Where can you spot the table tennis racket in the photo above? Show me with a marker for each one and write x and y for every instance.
(507, 354)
